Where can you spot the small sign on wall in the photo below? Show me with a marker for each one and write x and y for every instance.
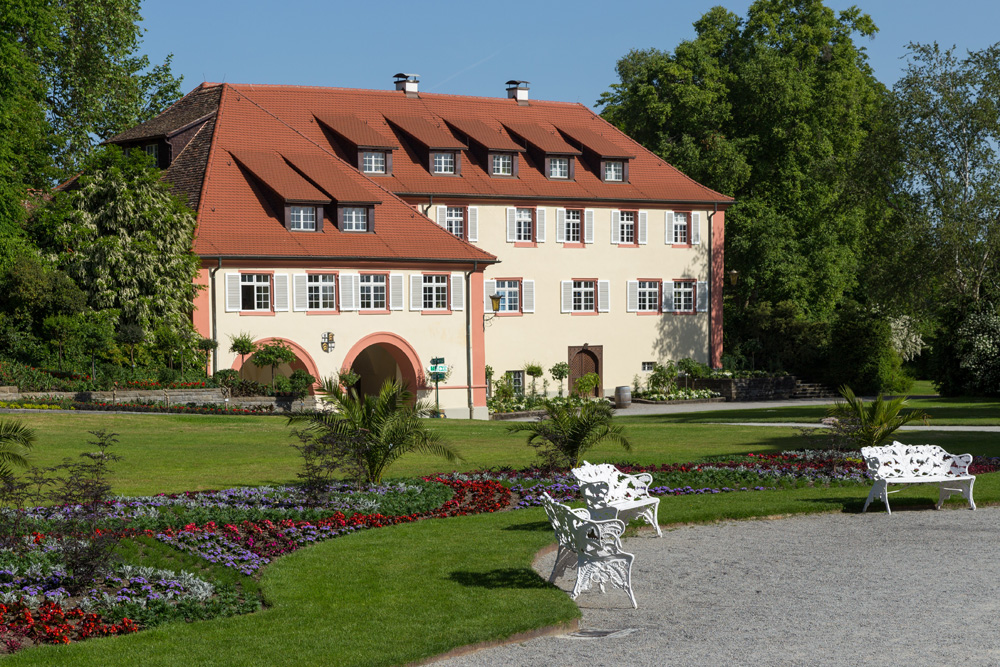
(326, 341)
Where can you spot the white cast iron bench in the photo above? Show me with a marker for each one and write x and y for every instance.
(606, 487)
(918, 464)
(597, 546)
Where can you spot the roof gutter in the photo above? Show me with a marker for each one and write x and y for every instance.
(468, 338)
(357, 258)
(644, 200)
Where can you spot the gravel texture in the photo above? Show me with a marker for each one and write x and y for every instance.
(918, 587)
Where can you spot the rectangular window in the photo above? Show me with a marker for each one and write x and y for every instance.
(152, 150)
(444, 163)
(684, 296)
(321, 291)
(680, 228)
(523, 225)
(559, 167)
(455, 220)
(355, 219)
(626, 229)
(503, 164)
(304, 218)
(372, 292)
(584, 296)
(255, 291)
(649, 296)
(516, 381)
(510, 296)
(648, 366)
(435, 292)
(373, 162)
(572, 226)
(614, 171)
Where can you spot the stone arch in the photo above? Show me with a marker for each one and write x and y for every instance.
(387, 344)
(303, 360)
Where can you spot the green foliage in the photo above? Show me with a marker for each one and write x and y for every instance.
(300, 383)
(347, 377)
(870, 425)
(693, 369)
(862, 354)
(15, 441)
(559, 372)
(273, 354)
(534, 371)
(663, 378)
(242, 344)
(377, 430)
(130, 334)
(966, 359)
(281, 385)
(567, 433)
(125, 239)
(586, 385)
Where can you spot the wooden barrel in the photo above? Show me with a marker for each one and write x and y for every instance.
(623, 397)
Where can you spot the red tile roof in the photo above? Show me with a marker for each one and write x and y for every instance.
(596, 143)
(483, 134)
(542, 137)
(356, 131)
(429, 134)
(274, 172)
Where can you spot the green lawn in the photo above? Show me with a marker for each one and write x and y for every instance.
(401, 594)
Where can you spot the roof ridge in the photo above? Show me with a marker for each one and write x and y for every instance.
(381, 91)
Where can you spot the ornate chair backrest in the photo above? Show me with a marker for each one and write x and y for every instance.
(900, 460)
(576, 531)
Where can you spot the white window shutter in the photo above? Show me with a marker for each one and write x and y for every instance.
(232, 292)
(643, 224)
(668, 296)
(632, 296)
(603, 296)
(395, 291)
(349, 291)
(511, 222)
(280, 292)
(567, 296)
(528, 296)
(457, 291)
(695, 228)
(701, 297)
(560, 225)
(588, 226)
(668, 227)
(540, 225)
(300, 291)
(474, 224)
(616, 227)
(416, 292)
(489, 287)
(442, 216)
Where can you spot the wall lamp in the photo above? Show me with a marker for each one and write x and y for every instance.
(495, 302)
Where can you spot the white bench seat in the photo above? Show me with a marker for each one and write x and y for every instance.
(607, 490)
(918, 464)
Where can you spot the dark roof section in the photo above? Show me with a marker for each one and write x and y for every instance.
(484, 135)
(542, 139)
(275, 173)
(187, 171)
(428, 134)
(339, 181)
(356, 131)
(595, 142)
(199, 103)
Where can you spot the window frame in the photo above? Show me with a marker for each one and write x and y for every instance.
(680, 287)
(517, 288)
(579, 227)
(685, 227)
(456, 163)
(374, 154)
(335, 286)
(570, 167)
(532, 216)
(293, 208)
(464, 210)
(361, 293)
(516, 381)
(493, 156)
(268, 284)
(439, 281)
(342, 223)
(606, 164)
(633, 227)
(583, 292)
(657, 301)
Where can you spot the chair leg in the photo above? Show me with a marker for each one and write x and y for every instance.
(876, 492)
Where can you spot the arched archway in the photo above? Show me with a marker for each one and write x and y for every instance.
(587, 359)
(381, 356)
(303, 361)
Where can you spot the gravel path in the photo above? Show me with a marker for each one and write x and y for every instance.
(918, 587)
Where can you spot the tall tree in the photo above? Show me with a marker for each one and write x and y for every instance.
(949, 111)
(774, 109)
(125, 239)
(97, 83)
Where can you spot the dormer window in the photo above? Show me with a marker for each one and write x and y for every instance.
(303, 218)
(614, 171)
(354, 219)
(444, 163)
(373, 162)
(503, 164)
(153, 150)
(559, 167)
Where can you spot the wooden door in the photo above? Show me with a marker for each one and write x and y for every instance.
(586, 359)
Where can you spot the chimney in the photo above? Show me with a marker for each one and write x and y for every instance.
(407, 83)
(518, 90)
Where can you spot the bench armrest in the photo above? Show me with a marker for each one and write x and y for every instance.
(960, 463)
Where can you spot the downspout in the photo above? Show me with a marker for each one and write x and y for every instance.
(711, 270)
(215, 326)
(468, 336)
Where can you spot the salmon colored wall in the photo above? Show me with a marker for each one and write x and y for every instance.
(718, 284)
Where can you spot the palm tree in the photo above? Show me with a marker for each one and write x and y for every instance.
(564, 435)
(15, 441)
(871, 425)
(378, 429)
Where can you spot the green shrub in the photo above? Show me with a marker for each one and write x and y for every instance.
(301, 382)
(861, 353)
(281, 385)
(966, 353)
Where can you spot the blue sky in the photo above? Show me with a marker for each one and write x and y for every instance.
(567, 50)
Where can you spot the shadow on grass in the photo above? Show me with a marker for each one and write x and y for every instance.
(534, 526)
(508, 577)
